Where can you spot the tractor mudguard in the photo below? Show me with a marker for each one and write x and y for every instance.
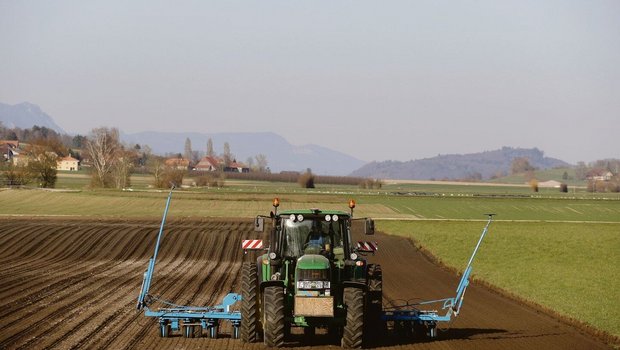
(354, 284)
(265, 284)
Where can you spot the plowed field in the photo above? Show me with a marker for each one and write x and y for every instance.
(73, 283)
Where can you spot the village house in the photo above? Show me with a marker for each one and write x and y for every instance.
(208, 164)
(8, 149)
(236, 167)
(67, 163)
(177, 163)
(599, 175)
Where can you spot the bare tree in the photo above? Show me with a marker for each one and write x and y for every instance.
(250, 162)
(16, 175)
(156, 165)
(228, 156)
(196, 156)
(210, 151)
(521, 165)
(122, 167)
(188, 149)
(103, 146)
(261, 162)
(581, 171)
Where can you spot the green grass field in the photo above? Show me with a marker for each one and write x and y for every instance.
(560, 251)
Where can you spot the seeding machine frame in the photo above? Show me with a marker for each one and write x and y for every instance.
(408, 316)
(187, 317)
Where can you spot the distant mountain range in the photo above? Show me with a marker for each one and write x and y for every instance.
(26, 115)
(281, 155)
(458, 166)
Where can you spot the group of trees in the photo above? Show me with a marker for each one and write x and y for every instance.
(43, 147)
(40, 168)
(257, 163)
(101, 151)
(111, 161)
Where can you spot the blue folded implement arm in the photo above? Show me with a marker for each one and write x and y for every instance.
(191, 319)
(410, 317)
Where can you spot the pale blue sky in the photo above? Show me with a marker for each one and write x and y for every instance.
(374, 79)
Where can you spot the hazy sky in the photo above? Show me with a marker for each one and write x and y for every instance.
(377, 80)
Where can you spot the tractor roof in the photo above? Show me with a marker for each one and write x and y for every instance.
(313, 212)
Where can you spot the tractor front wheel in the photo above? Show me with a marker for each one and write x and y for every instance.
(273, 320)
(249, 303)
(353, 331)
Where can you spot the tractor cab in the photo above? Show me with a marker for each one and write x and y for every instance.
(313, 232)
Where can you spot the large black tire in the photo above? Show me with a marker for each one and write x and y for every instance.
(273, 320)
(375, 278)
(353, 332)
(249, 303)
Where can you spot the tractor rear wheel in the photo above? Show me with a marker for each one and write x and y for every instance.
(249, 303)
(273, 321)
(375, 278)
(353, 331)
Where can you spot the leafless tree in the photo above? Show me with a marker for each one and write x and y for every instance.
(261, 162)
(210, 151)
(196, 156)
(228, 156)
(521, 165)
(188, 149)
(250, 163)
(156, 165)
(122, 167)
(103, 146)
(16, 175)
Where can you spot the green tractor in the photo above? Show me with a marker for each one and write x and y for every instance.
(312, 275)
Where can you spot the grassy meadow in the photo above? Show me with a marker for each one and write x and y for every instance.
(559, 250)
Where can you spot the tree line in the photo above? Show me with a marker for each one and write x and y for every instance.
(110, 162)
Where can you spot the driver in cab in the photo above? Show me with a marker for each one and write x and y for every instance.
(317, 238)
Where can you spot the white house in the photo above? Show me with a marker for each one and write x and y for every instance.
(68, 164)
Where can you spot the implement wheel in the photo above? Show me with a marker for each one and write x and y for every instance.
(353, 331)
(249, 303)
(273, 320)
(164, 330)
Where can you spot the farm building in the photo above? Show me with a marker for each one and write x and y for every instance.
(599, 175)
(178, 163)
(550, 184)
(208, 164)
(8, 149)
(68, 164)
(236, 167)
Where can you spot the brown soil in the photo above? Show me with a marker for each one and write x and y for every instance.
(73, 283)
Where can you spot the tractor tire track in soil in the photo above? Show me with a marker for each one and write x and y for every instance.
(69, 283)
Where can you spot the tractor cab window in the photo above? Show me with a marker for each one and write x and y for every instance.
(311, 236)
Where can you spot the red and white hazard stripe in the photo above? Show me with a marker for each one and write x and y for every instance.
(367, 246)
(252, 244)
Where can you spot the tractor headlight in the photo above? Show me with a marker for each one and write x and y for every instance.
(313, 284)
